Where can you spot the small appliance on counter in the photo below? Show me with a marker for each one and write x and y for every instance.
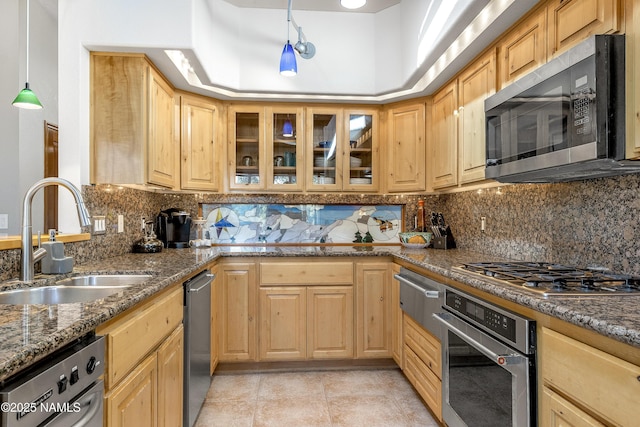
(174, 228)
(149, 244)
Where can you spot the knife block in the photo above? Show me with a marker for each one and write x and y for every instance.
(444, 242)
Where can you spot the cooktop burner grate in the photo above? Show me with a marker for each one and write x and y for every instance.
(548, 279)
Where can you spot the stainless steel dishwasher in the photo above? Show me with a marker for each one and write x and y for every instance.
(197, 344)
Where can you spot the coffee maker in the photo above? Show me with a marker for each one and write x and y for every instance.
(174, 228)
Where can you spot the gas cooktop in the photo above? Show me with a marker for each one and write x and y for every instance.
(548, 280)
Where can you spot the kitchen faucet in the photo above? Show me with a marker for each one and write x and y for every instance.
(28, 257)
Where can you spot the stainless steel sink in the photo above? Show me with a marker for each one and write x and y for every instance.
(105, 280)
(74, 289)
(51, 295)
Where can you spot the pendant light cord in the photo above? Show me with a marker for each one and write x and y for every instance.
(27, 42)
(292, 20)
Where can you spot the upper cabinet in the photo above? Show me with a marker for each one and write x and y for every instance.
(265, 150)
(200, 144)
(523, 49)
(405, 148)
(571, 21)
(342, 150)
(133, 137)
(457, 140)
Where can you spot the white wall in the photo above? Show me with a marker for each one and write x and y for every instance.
(22, 159)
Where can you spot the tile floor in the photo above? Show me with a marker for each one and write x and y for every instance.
(321, 398)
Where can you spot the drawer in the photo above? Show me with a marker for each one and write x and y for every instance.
(306, 273)
(608, 386)
(428, 385)
(139, 333)
(424, 345)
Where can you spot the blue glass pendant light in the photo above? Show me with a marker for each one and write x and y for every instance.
(288, 65)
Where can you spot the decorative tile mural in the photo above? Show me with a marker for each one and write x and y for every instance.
(306, 223)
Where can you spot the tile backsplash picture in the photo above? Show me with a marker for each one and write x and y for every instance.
(304, 223)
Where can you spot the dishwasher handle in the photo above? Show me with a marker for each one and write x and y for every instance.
(427, 293)
(205, 278)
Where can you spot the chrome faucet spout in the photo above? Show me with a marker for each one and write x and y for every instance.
(27, 258)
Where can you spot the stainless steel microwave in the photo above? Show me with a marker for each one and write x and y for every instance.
(565, 121)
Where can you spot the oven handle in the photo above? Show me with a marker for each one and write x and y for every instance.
(427, 293)
(500, 359)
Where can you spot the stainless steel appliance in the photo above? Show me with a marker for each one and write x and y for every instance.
(549, 280)
(62, 390)
(564, 121)
(197, 344)
(420, 298)
(488, 356)
(174, 228)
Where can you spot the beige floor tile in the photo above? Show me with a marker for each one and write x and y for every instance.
(394, 381)
(226, 413)
(299, 412)
(234, 387)
(365, 411)
(291, 384)
(350, 383)
(415, 410)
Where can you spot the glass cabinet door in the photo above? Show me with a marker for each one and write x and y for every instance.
(361, 163)
(246, 156)
(324, 141)
(285, 149)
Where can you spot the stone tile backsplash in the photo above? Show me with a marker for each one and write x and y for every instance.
(586, 223)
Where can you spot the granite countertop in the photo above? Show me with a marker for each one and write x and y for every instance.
(30, 332)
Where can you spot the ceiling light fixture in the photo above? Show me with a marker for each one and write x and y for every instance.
(26, 98)
(352, 4)
(306, 49)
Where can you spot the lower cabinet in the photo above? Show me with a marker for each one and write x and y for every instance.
(283, 323)
(422, 361)
(584, 386)
(144, 363)
(330, 322)
(396, 318)
(373, 310)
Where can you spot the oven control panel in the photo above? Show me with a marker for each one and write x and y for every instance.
(483, 315)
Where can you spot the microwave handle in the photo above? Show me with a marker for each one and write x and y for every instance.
(500, 359)
(427, 293)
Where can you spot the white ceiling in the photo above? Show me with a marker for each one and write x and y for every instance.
(372, 6)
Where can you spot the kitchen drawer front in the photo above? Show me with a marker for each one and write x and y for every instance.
(309, 272)
(130, 341)
(609, 387)
(424, 345)
(426, 382)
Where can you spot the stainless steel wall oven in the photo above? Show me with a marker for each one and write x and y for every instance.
(488, 357)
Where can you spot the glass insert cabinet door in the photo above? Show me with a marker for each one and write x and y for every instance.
(361, 163)
(246, 154)
(285, 154)
(324, 143)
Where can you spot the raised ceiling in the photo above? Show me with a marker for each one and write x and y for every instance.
(372, 6)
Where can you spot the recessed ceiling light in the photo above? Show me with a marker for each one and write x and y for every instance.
(353, 4)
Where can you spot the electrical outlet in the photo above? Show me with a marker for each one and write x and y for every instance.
(4, 221)
(120, 224)
(483, 223)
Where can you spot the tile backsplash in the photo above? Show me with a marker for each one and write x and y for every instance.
(586, 223)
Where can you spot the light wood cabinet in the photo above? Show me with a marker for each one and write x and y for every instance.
(144, 363)
(133, 140)
(285, 151)
(283, 323)
(475, 84)
(571, 21)
(582, 385)
(373, 310)
(422, 361)
(342, 150)
(405, 148)
(443, 152)
(524, 48)
(200, 146)
(237, 310)
(306, 309)
(330, 322)
(246, 147)
(170, 358)
(134, 402)
(396, 318)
